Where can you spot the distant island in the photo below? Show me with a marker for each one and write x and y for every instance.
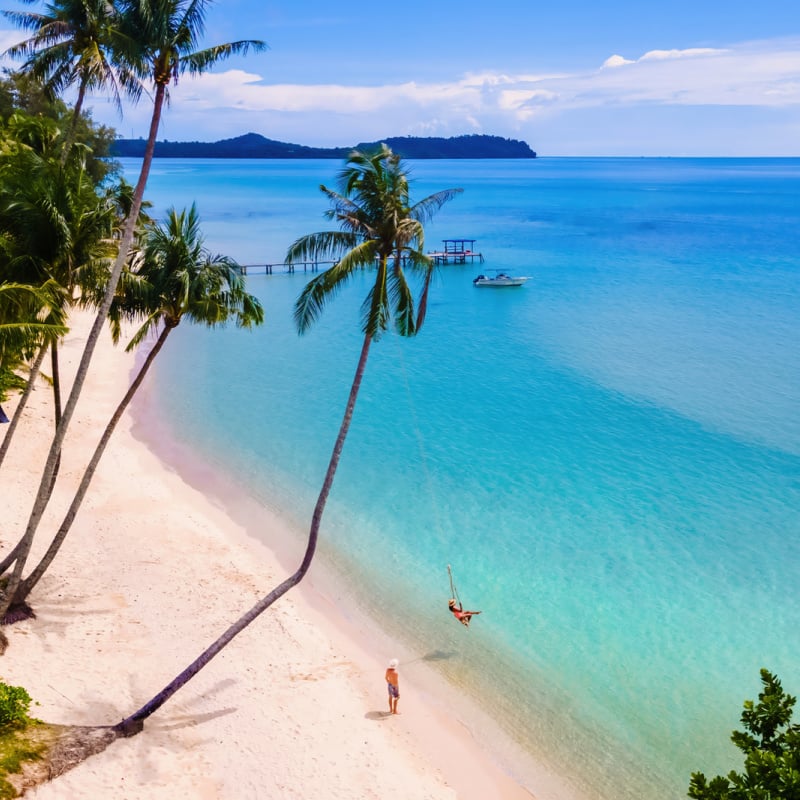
(253, 145)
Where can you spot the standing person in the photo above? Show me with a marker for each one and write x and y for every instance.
(393, 685)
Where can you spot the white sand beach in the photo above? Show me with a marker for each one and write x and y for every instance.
(152, 572)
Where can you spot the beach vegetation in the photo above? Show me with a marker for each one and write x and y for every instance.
(29, 316)
(15, 747)
(171, 278)
(74, 42)
(22, 95)
(56, 227)
(156, 44)
(15, 703)
(33, 752)
(771, 746)
(16, 750)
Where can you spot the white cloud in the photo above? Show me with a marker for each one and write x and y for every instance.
(616, 61)
(757, 77)
(664, 55)
(758, 74)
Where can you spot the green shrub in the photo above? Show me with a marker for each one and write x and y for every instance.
(14, 705)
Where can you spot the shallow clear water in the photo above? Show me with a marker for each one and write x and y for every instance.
(608, 456)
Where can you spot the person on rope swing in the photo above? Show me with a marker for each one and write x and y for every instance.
(458, 612)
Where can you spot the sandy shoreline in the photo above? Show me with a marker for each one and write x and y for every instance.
(152, 572)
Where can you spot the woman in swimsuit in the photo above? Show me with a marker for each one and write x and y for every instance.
(458, 612)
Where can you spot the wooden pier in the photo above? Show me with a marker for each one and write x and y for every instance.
(456, 251)
(269, 269)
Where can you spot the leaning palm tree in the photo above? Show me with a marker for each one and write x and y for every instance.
(74, 41)
(379, 228)
(176, 278)
(160, 37)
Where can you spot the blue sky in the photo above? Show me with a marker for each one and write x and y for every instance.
(570, 78)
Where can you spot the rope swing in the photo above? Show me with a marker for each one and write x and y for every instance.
(453, 589)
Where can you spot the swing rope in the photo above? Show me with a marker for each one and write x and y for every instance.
(420, 443)
(424, 460)
(453, 589)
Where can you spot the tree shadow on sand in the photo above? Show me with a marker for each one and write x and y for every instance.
(51, 750)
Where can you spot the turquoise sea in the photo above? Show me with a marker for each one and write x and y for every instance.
(609, 456)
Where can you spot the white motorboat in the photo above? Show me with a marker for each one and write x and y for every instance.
(499, 280)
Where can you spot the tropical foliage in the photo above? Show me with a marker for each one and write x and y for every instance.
(173, 278)
(15, 703)
(771, 746)
(29, 316)
(74, 41)
(56, 231)
(21, 94)
(153, 41)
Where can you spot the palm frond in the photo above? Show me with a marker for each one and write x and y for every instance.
(375, 310)
(320, 290)
(151, 323)
(199, 62)
(426, 208)
(401, 300)
(322, 246)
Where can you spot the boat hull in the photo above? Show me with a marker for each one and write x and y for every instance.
(498, 283)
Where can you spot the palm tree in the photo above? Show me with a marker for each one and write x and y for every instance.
(74, 41)
(54, 226)
(159, 37)
(30, 317)
(380, 228)
(176, 279)
(378, 225)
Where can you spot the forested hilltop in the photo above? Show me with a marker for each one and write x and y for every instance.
(253, 145)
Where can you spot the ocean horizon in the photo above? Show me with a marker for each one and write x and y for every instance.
(608, 456)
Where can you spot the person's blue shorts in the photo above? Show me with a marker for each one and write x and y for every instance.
(393, 690)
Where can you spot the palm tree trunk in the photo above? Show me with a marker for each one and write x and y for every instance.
(73, 124)
(56, 376)
(133, 724)
(27, 585)
(42, 496)
(23, 400)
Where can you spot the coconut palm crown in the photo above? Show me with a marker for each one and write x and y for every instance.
(378, 224)
(75, 41)
(174, 277)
